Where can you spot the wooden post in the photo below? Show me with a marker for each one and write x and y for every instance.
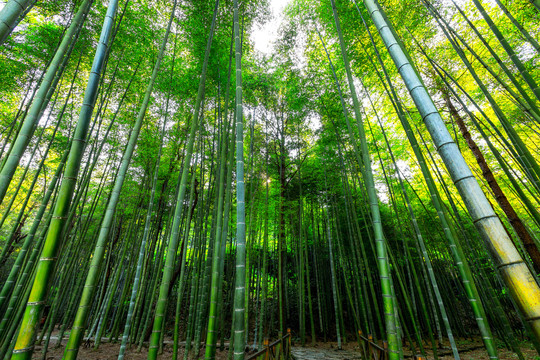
(266, 355)
(370, 348)
(288, 352)
(362, 344)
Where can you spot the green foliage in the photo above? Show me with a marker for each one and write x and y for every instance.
(296, 143)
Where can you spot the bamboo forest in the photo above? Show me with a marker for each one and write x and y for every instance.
(269, 179)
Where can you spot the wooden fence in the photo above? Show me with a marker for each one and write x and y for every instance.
(279, 349)
(371, 350)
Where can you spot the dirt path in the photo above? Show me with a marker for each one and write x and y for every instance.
(469, 350)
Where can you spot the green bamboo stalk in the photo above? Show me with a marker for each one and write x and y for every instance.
(10, 281)
(40, 100)
(455, 246)
(137, 279)
(193, 196)
(22, 110)
(333, 278)
(206, 263)
(174, 236)
(7, 348)
(38, 170)
(240, 275)
(79, 325)
(406, 295)
(501, 64)
(23, 177)
(509, 50)
(45, 268)
(528, 105)
(338, 138)
(502, 162)
(513, 270)
(521, 29)
(528, 161)
(211, 337)
(152, 290)
(382, 258)
(225, 231)
(9, 16)
(113, 286)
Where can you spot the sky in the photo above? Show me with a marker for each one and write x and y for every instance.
(265, 36)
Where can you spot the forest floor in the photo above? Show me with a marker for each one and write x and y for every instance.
(109, 351)
(469, 350)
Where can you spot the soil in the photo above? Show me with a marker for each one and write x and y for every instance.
(109, 351)
(469, 350)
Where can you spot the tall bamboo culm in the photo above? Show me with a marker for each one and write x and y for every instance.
(514, 271)
(45, 268)
(10, 15)
(48, 84)
(240, 277)
(389, 305)
(172, 244)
